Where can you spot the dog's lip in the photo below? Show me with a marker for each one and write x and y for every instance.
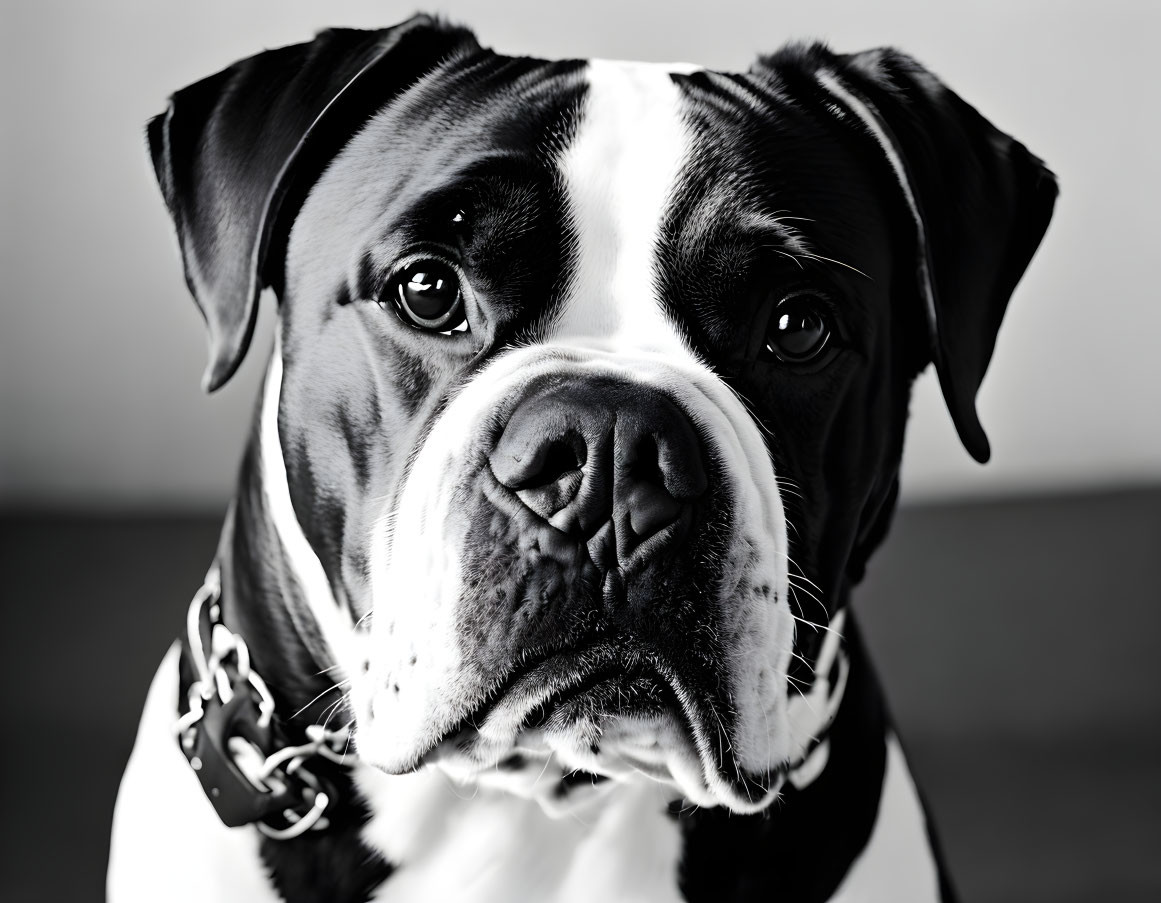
(539, 679)
(548, 680)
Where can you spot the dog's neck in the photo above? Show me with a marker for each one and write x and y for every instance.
(263, 600)
(276, 593)
(439, 835)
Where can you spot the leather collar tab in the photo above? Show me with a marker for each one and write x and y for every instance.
(254, 767)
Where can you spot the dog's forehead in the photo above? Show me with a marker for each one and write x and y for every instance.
(632, 151)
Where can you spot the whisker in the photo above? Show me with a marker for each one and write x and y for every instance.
(332, 709)
(809, 664)
(796, 588)
(329, 689)
(547, 762)
(802, 576)
(823, 627)
(793, 257)
(347, 744)
(366, 617)
(810, 256)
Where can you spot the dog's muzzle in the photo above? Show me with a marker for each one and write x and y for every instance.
(589, 554)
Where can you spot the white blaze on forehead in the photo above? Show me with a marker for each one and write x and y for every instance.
(619, 174)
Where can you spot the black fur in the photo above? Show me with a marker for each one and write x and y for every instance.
(801, 847)
(252, 139)
(985, 202)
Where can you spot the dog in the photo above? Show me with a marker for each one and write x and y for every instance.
(585, 412)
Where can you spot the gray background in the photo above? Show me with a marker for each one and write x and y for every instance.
(101, 349)
(1014, 612)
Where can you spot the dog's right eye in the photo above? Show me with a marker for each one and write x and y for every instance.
(428, 295)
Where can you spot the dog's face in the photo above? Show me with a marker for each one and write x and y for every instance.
(563, 497)
(591, 391)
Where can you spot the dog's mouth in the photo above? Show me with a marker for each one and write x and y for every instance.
(583, 717)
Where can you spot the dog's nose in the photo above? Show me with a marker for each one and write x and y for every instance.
(609, 462)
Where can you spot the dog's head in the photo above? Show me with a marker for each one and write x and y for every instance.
(592, 377)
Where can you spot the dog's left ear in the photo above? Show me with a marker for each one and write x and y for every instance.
(980, 201)
(236, 153)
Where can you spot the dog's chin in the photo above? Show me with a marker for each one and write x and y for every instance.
(563, 770)
(578, 725)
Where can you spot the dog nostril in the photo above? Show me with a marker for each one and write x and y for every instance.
(545, 475)
(645, 466)
(644, 496)
(651, 509)
(555, 460)
(674, 465)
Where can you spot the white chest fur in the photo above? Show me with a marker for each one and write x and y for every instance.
(489, 845)
(445, 841)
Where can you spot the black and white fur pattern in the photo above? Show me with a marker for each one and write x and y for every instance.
(617, 224)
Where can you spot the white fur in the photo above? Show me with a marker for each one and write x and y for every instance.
(897, 863)
(618, 174)
(486, 844)
(168, 843)
(416, 581)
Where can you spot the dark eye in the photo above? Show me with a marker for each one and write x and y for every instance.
(428, 295)
(799, 329)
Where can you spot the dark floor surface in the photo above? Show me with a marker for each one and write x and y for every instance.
(1020, 643)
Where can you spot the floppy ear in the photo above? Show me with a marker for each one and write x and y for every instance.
(236, 154)
(980, 202)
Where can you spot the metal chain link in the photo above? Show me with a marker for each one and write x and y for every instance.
(285, 767)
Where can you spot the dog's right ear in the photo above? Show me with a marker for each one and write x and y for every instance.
(236, 154)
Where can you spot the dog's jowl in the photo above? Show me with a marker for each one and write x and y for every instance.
(585, 412)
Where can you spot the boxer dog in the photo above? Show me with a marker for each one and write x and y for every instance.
(584, 414)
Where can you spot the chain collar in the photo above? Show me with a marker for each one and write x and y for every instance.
(253, 773)
(234, 741)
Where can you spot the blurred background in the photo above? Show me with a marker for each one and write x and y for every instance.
(1013, 611)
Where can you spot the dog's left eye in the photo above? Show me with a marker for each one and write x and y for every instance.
(428, 295)
(799, 329)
